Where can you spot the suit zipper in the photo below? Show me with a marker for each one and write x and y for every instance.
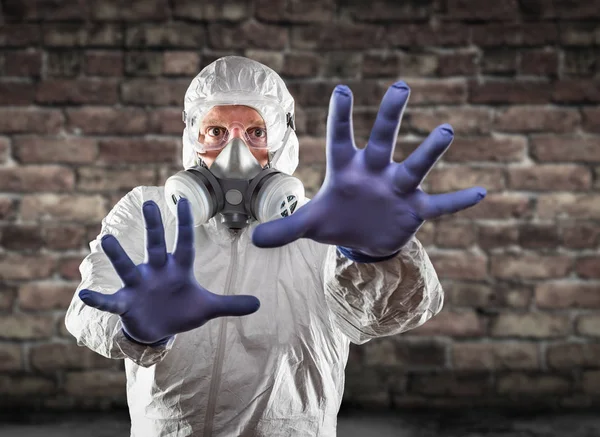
(215, 381)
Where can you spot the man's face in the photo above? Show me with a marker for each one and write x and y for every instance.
(218, 119)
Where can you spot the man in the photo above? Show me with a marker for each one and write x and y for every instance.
(344, 267)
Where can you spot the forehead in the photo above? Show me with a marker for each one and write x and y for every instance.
(230, 113)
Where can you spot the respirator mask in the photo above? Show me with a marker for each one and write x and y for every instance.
(236, 186)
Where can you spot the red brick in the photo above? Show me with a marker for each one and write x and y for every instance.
(464, 120)
(499, 206)
(530, 325)
(538, 236)
(22, 386)
(83, 35)
(336, 36)
(11, 356)
(296, 11)
(209, 10)
(52, 207)
(499, 61)
(573, 355)
(455, 178)
(143, 63)
(342, 65)
(136, 10)
(567, 294)
(590, 382)
(19, 34)
(591, 119)
(530, 266)
(36, 149)
(22, 63)
(154, 91)
(60, 356)
(139, 150)
(549, 177)
(68, 268)
(458, 64)
(494, 149)
(47, 11)
(22, 237)
(588, 266)
(460, 265)
(104, 63)
(579, 90)
(13, 93)
(588, 325)
(472, 10)
(524, 384)
(477, 295)
(165, 121)
(4, 149)
(181, 63)
(514, 92)
(30, 120)
(495, 356)
(110, 179)
(45, 295)
(537, 118)
(33, 178)
(500, 235)
(447, 91)
(95, 383)
(514, 34)
(107, 121)
(16, 266)
(393, 353)
(175, 34)
(584, 10)
(64, 63)
(568, 205)
(8, 208)
(553, 148)
(387, 10)
(580, 234)
(78, 91)
(580, 33)
(539, 63)
(455, 384)
(301, 64)
(8, 295)
(434, 33)
(453, 324)
(62, 237)
(26, 327)
(454, 234)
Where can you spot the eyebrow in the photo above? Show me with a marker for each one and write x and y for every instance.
(216, 122)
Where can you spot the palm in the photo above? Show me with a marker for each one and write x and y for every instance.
(161, 297)
(368, 202)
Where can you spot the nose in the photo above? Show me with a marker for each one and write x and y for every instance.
(236, 132)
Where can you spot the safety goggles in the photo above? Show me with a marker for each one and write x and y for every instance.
(214, 135)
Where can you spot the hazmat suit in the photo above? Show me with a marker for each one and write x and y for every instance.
(279, 371)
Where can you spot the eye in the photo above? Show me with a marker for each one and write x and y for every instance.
(259, 132)
(215, 131)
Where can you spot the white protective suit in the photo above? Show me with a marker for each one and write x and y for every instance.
(279, 371)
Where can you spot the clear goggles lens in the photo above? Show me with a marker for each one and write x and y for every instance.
(216, 136)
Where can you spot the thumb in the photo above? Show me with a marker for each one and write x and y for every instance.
(105, 302)
(223, 306)
(284, 230)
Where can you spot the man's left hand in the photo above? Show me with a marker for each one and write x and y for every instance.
(368, 203)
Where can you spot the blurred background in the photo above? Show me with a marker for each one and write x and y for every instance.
(91, 95)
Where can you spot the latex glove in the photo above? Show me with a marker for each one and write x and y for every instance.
(161, 297)
(368, 203)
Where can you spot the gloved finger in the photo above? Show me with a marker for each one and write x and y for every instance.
(382, 141)
(284, 230)
(411, 172)
(184, 249)
(223, 306)
(340, 137)
(112, 303)
(448, 203)
(156, 247)
(123, 265)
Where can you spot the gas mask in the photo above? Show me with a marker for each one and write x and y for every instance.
(237, 188)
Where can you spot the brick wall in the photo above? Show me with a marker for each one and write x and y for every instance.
(90, 101)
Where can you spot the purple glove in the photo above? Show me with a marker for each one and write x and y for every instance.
(161, 297)
(370, 206)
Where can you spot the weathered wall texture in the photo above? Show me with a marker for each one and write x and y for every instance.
(91, 94)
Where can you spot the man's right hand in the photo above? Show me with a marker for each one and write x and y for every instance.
(161, 298)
